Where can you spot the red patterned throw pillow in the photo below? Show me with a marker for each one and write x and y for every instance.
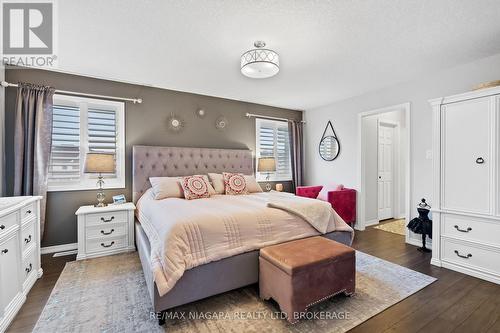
(195, 187)
(235, 183)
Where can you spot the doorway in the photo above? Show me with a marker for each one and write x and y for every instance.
(384, 168)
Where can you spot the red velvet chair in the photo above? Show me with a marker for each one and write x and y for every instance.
(343, 201)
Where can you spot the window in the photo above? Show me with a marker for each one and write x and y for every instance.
(82, 125)
(273, 141)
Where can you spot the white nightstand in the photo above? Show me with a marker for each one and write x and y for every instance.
(105, 230)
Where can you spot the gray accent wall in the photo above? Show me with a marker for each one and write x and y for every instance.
(146, 124)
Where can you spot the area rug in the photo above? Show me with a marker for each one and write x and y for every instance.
(109, 294)
(396, 227)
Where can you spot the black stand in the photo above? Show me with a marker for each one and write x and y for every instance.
(423, 248)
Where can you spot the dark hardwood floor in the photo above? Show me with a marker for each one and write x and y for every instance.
(454, 303)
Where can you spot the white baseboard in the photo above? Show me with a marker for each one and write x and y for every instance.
(371, 222)
(59, 248)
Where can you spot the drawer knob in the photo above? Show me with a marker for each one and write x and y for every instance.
(109, 245)
(5, 251)
(29, 268)
(463, 230)
(107, 220)
(28, 211)
(479, 160)
(2, 227)
(462, 256)
(27, 240)
(107, 233)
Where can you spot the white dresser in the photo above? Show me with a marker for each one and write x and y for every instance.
(466, 159)
(19, 253)
(105, 230)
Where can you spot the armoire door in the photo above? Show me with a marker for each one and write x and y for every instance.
(466, 144)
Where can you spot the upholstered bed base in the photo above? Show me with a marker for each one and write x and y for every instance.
(209, 279)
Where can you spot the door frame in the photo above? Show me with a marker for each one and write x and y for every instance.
(396, 172)
(406, 108)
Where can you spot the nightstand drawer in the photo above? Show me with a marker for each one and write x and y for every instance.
(105, 244)
(28, 235)
(28, 211)
(107, 217)
(107, 231)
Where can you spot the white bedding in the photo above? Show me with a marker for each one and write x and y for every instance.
(187, 233)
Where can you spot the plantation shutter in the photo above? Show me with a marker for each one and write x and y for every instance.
(273, 141)
(65, 154)
(101, 134)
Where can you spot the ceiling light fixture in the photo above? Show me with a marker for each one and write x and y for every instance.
(260, 63)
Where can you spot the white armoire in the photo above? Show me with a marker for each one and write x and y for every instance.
(466, 198)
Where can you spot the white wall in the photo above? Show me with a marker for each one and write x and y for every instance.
(344, 117)
(370, 128)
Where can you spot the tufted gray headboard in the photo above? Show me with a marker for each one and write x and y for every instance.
(153, 161)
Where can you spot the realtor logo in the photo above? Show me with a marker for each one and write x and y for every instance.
(28, 33)
(27, 28)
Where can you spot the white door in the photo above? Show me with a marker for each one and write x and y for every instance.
(9, 271)
(466, 140)
(385, 170)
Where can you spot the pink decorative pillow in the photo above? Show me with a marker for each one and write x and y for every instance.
(235, 183)
(323, 194)
(195, 187)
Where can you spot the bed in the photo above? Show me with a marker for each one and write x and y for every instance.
(216, 276)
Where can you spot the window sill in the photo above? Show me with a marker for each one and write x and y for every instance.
(85, 187)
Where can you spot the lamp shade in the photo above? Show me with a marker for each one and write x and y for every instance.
(266, 164)
(99, 163)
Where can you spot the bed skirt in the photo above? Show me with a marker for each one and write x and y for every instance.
(205, 280)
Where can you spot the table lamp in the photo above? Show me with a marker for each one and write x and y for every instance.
(100, 163)
(267, 165)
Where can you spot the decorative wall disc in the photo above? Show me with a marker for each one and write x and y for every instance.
(221, 123)
(175, 124)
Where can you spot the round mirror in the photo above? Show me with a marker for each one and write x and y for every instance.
(329, 148)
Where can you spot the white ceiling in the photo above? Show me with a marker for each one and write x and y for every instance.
(329, 50)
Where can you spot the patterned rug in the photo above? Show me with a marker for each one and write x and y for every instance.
(396, 227)
(109, 294)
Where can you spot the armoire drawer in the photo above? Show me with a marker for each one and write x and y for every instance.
(471, 256)
(471, 229)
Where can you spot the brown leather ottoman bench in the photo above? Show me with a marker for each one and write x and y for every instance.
(304, 272)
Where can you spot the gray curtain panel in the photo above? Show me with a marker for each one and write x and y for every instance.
(32, 142)
(296, 131)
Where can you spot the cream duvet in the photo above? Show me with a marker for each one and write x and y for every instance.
(187, 233)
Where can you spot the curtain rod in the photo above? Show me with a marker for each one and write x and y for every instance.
(64, 92)
(250, 115)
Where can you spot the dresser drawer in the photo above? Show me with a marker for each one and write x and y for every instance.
(107, 231)
(471, 229)
(105, 244)
(28, 211)
(471, 256)
(29, 265)
(106, 217)
(8, 221)
(28, 235)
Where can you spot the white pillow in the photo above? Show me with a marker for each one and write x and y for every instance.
(166, 187)
(252, 185)
(171, 187)
(217, 182)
